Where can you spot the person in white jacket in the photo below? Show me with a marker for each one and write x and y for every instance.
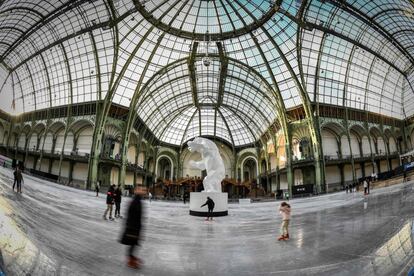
(285, 211)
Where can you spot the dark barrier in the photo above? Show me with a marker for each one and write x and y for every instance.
(44, 174)
(302, 189)
(279, 194)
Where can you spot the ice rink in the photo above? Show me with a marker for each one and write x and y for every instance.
(56, 230)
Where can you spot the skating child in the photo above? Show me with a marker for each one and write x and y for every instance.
(284, 210)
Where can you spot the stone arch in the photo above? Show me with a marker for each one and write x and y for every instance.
(330, 145)
(162, 167)
(391, 141)
(379, 143)
(354, 142)
(36, 136)
(242, 166)
(83, 133)
(112, 141)
(363, 136)
(334, 128)
(56, 127)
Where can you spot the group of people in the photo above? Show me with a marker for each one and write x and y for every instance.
(113, 196)
(131, 233)
(366, 183)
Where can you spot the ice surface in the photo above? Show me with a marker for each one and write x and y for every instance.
(56, 230)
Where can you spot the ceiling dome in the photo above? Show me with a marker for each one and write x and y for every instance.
(207, 19)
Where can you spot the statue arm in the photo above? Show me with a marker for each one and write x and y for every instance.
(198, 164)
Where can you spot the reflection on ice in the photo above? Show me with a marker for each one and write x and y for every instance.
(394, 253)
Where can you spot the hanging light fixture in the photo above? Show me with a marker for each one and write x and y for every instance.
(206, 59)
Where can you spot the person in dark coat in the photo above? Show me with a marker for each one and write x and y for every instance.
(97, 187)
(117, 198)
(133, 225)
(210, 206)
(15, 177)
(185, 197)
(109, 202)
(19, 179)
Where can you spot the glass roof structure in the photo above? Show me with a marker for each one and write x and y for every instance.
(150, 56)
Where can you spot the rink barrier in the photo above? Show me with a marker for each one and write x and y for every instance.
(205, 214)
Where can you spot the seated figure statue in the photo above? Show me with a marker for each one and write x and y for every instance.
(211, 161)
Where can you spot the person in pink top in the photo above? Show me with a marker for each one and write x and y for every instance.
(284, 210)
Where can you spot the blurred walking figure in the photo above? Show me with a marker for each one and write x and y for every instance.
(15, 177)
(132, 230)
(150, 196)
(284, 210)
(118, 195)
(109, 202)
(185, 197)
(97, 187)
(19, 179)
(210, 204)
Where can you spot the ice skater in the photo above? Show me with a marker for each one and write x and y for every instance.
(150, 196)
(132, 231)
(118, 196)
(365, 187)
(210, 205)
(185, 197)
(109, 202)
(15, 177)
(97, 187)
(18, 180)
(284, 210)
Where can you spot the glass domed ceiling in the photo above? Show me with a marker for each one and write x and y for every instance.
(352, 54)
(207, 19)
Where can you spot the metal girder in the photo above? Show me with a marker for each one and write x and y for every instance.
(191, 70)
(356, 43)
(202, 36)
(48, 80)
(401, 32)
(310, 26)
(21, 88)
(174, 115)
(110, 23)
(22, 8)
(223, 73)
(162, 86)
(370, 22)
(226, 124)
(54, 14)
(186, 128)
(33, 86)
(235, 112)
(383, 84)
(386, 11)
(5, 81)
(12, 28)
(151, 115)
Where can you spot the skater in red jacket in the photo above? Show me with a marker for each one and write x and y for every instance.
(284, 210)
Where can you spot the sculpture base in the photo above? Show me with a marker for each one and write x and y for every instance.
(198, 199)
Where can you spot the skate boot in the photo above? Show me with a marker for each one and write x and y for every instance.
(281, 238)
(133, 263)
(286, 237)
(111, 218)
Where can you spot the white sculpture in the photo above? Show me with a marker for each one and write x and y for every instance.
(211, 161)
